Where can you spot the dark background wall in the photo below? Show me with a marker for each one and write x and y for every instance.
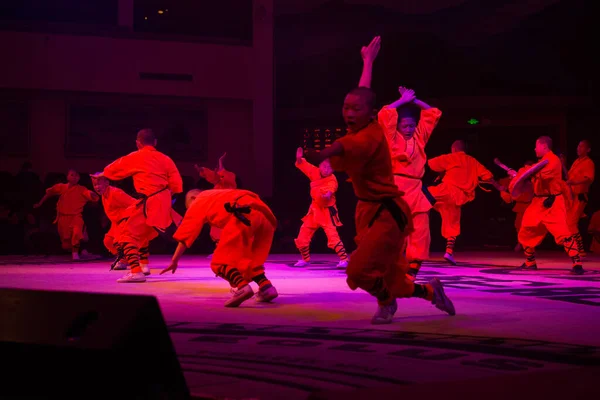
(250, 77)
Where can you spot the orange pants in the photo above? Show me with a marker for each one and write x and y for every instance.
(243, 247)
(574, 214)
(417, 246)
(71, 230)
(113, 236)
(448, 202)
(450, 214)
(538, 220)
(136, 234)
(136, 231)
(109, 243)
(378, 263)
(308, 229)
(519, 220)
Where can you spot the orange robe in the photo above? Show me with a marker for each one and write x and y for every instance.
(323, 212)
(156, 177)
(242, 247)
(538, 219)
(582, 168)
(520, 203)
(408, 165)
(222, 179)
(594, 229)
(116, 206)
(69, 212)
(378, 260)
(462, 175)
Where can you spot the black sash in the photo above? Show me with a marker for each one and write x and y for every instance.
(239, 212)
(333, 213)
(428, 195)
(394, 209)
(170, 230)
(550, 198)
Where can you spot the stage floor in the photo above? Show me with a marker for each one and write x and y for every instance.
(317, 335)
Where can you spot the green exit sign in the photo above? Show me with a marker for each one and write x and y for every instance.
(472, 121)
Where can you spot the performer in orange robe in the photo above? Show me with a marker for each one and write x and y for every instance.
(594, 230)
(69, 219)
(221, 179)
(155, 178)
(323, 212)
(117, 206)
(408, 124)
(462, 174)
(383, 218)
(520, 203)
(580, 177)
(247, 226)
(548, 210)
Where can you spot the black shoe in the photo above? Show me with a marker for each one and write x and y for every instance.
(577, 270)
(525, 267)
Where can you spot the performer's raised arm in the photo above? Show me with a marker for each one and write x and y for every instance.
(369, 54)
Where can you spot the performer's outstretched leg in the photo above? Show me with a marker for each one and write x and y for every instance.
(307, 231)
(418, 244)
(144, 257)
(135, 232)
(335, 243)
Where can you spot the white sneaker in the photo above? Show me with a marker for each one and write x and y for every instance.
(342, 264)
(145, 269)
(450, 258)
(385, 314)
(131, 277)
(85, 253)
(302, 263)
(209, 257)
(267, 295)
(239, 296)
(76, 257)
(121, 266)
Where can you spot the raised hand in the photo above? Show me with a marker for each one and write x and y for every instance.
(299, 154)
(369, 53)
(220, 166)
(408, 96)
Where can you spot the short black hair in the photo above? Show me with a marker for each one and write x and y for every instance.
(146, 136)
(547, 140)
(460, 145)
(366, 93)
(409, 110)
